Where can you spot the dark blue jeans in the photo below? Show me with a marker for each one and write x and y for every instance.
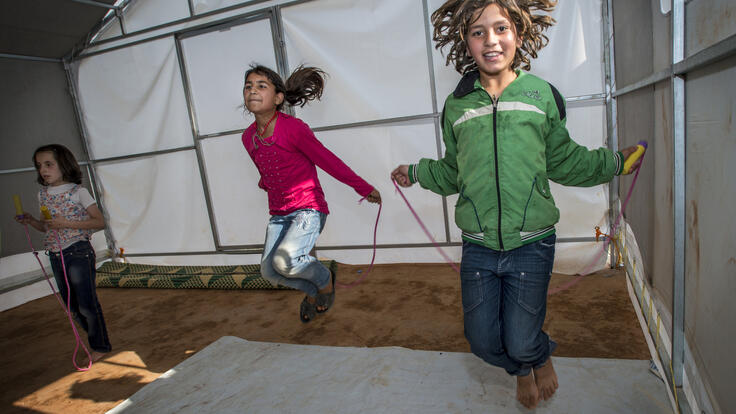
(504, 297)
(80, 270)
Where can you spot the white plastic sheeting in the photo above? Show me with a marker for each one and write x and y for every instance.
(375, 53)
(132, 100)
(216, 73)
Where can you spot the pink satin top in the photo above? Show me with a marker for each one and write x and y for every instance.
(287, 162)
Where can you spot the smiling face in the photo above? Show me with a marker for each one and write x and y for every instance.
(260, 95)
(492, 42)
(48, 168)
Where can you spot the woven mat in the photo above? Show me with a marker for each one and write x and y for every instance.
(131, 275)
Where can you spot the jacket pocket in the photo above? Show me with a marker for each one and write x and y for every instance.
(466, 214)
(540, 210)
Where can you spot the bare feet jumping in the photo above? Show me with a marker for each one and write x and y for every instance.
(526, 391)
(546, 380)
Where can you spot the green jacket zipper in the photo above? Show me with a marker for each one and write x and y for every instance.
(495, 156)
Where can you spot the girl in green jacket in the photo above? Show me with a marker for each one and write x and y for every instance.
(505, 138)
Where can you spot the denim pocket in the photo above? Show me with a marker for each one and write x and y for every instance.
(472, 290)
(533, 291)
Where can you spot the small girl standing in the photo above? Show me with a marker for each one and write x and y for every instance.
(74, 217)
(505, 138)
(286, 153)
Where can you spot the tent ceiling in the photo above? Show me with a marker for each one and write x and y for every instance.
(47, 28)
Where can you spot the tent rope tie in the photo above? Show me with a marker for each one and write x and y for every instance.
(370, 267)
(66, 308)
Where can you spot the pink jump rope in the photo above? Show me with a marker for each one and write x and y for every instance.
(633, 163)
(67, 308)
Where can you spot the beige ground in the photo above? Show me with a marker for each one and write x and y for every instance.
(152, 330)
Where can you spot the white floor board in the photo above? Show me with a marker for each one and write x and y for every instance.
(233, 375)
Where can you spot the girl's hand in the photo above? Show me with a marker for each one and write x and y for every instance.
(56, 223)
(628, 151)
(24, 218)
(401, 175)
(374, 197)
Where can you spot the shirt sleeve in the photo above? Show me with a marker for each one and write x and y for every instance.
(313, 149)
(439, 176)
(83, 197)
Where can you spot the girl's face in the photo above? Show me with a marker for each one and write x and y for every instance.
(260, 95)
(492, 42)
(48, 168)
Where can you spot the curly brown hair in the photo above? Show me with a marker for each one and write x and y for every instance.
(452, 20)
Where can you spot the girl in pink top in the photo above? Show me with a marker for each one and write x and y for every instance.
(286, 153)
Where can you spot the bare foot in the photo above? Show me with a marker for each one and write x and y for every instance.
(526, 391)
(546, 380)
(327, 289)
(96, 356)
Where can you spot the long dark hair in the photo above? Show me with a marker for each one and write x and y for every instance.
(68, 165)
(305, 84)
(452, 20)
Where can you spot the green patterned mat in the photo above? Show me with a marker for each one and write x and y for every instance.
(131, 275)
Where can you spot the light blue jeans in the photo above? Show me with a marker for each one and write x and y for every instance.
(504, 297)
(286, 260)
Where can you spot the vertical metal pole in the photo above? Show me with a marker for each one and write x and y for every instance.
(279, 48)
(433, 90)
(84, 136)
(197, 142)
(679, 186)
(609, 66)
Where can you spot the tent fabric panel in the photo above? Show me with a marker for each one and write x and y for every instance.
(216, 73)
(374, 52)
(156, 204)
(132, 100)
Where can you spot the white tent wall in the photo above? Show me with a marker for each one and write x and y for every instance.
(699, 296)
(180, 91)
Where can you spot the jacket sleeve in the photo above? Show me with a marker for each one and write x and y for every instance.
(569, 163)
(439, 176)
(325, 159)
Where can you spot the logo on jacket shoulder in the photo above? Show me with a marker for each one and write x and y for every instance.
(533, 95)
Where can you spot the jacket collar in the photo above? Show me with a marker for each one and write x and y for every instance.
(466, 84)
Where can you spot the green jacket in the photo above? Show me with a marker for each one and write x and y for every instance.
(500, 155)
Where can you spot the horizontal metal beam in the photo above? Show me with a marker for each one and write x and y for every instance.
(25, 57)
(141, 154)
(97, 3)
(648, 81)
(719, 51)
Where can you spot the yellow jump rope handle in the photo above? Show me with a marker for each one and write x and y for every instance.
(633, 158)
(45, 213)
(18, 205)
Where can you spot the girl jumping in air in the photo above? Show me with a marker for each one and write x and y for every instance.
(286, 153)
(505, 138)
(74, 217)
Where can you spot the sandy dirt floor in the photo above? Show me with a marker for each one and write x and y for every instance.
(415, 306)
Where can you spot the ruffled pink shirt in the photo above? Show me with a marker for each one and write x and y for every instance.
(287, 163)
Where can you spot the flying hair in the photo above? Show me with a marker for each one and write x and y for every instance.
(305, 83)
(453, 19)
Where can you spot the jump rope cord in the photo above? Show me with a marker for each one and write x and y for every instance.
(588, 269)
(375, 232)
(67, 308)
(426, 231)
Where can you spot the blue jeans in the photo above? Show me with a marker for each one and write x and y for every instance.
(286, 260)
(504, 296)
(85, 308)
